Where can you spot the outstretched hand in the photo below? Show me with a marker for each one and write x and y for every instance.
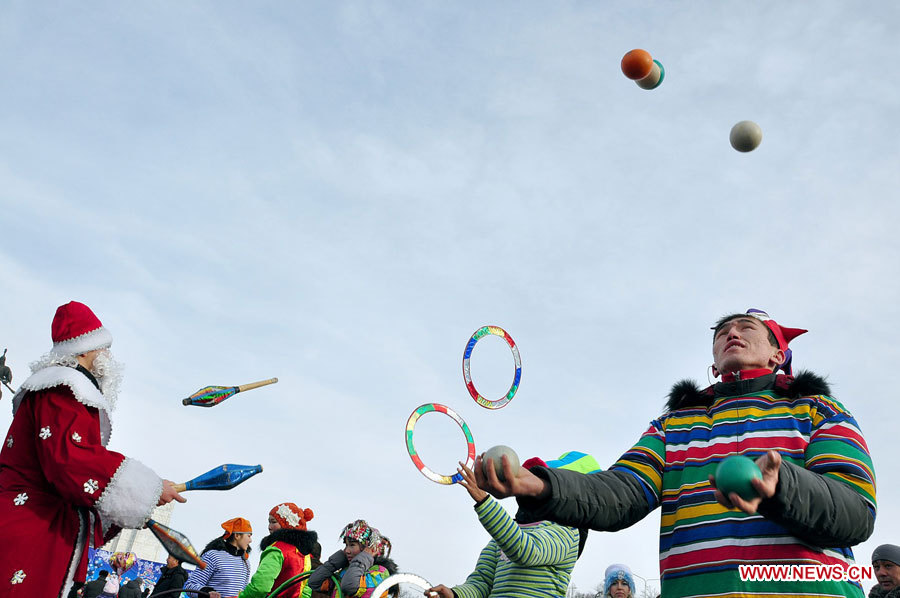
(522, 484)
(769, 464)
(169, 494)
(469, 482)
(439, 590)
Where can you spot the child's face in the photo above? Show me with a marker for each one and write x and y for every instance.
(273, 524)
(243, 541)
(352, 548)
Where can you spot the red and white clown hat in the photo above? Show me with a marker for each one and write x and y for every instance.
(76, 330)
(783, 335)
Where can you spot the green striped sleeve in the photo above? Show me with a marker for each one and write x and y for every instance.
(546, 545)
(480, 582)
(838, 450)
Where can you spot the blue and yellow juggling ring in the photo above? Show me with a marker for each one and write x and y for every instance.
(467, 374)
(411, 448)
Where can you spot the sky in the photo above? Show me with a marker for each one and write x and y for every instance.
(340, 193)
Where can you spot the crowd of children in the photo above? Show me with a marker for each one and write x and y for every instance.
(290, 566)
(523, 558)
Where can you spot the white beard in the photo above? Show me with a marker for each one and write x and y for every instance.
(108, 372)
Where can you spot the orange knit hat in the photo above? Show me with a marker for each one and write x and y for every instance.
(238, 525)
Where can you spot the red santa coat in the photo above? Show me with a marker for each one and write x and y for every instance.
(61, 490)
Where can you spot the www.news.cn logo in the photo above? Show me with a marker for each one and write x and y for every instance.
(806, 572)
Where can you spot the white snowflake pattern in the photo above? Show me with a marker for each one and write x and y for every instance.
(20, 499)
(45, 433)
(76, 436)
(18, 577)
(91, 486)
(290, 516)
(9, 442)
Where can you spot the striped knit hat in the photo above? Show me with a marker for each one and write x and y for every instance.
(576, 461)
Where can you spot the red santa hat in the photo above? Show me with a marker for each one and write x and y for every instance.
(290, 516)
(76, 330)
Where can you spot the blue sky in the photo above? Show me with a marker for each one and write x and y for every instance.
(339, 194)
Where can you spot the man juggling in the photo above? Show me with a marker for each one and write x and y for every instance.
(61, 490)
(814, 499)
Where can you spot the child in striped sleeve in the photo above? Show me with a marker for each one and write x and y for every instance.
(524, 558)
(227, 570)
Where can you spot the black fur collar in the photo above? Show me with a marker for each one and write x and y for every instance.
(89, 375)
(387, 562)
(877, 592)
(304, 540)
(686, 393)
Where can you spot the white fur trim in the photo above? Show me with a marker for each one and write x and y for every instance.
(130, 496)
(89, 341)
(84, 390)
(84, 528)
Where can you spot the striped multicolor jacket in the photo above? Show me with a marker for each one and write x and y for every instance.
(534, 559)
(824, 503)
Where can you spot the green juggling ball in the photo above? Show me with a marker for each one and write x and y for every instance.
(734, 474)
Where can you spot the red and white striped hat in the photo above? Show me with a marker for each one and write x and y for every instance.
(76, 330)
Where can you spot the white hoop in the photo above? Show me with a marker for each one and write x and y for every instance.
(398, 578)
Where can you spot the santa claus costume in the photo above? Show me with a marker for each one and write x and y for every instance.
(61, 490)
